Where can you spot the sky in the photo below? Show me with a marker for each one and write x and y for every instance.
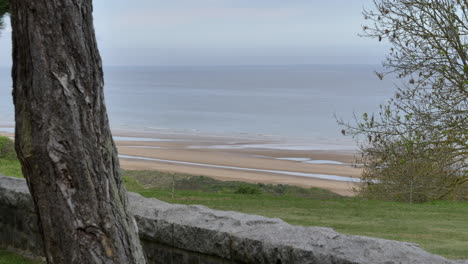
(229, 32)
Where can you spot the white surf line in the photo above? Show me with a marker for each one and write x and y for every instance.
(307, 160)
(312, 161)
(142, 139)
(263, 157)
(280, 146)
(300, 174)
(294, 159)
(324, 162)
(148, 147)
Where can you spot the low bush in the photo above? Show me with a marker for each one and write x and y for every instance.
(412, 171)
(247, 189)
(7, 148)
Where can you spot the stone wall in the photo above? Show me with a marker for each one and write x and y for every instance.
(196, 234)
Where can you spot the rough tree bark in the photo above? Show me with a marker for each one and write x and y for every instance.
(63, 138)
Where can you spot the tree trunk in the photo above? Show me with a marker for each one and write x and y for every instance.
(63, 139)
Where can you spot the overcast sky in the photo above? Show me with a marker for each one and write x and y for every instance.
(228, 32)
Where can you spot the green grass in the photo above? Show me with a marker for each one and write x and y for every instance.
(439, 227)
(9, 164)
(7, 257)
(10, 167)
(145, 182)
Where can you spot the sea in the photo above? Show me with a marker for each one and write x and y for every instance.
(284, 101)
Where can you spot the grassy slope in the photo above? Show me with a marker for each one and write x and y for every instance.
(9, 164)
(10, 167)
(439, 227)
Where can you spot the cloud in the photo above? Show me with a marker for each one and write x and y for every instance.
(168, 17)
(227, 24)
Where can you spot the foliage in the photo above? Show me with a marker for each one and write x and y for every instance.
(429, 112)
(7, 148)
(3, 10)
(186, 182)
(411, 172)
(247, 189)
(3, 7)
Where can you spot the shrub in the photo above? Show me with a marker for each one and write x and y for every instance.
(412, 171)
(280, 189)
(7, 148)
(248, 189)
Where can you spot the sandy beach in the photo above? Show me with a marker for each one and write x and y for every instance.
(238, 158)
(256, 160)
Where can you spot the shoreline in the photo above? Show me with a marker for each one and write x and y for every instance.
(253, 159)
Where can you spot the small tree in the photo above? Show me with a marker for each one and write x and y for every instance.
(427, 117)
